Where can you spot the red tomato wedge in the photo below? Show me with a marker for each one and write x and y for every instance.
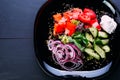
(59, 28)
(77, 10)
(70, 28)
(89, 12)
(95, 24)
(72, 14)
(84, 18)
(57, 17)
(65, 15)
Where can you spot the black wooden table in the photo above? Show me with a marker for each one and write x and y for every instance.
(17, 56)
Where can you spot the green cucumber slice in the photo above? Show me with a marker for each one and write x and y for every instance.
(89, 37)
(91, 52)
(93, 31)
(102, 34)
(106, 48)
(100, 51)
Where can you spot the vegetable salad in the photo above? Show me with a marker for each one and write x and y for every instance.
(77, 37)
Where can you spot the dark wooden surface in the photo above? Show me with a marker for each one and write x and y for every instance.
(17, 56)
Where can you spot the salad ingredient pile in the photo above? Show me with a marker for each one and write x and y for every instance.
(77, 35)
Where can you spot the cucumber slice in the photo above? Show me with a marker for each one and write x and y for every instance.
(89, 45)
(93, 31)
(100, 51)
(101, 41)
(106, 48)
(91, 52)
(89, 58)
(102, 34)
(98, 41)
(89, 37)
(105, 41)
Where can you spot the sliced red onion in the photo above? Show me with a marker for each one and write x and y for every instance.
(58, 47)
(68, 56)
(52, 44)
(69, 51)
(76, 49)
(50, 47)
(80, 26)
(59, 57)
(74, 65)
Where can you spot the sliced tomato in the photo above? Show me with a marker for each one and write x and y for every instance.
(70, 28)
(77, 10)
(93, 21)
(67, 15)
(59, 28)
(95, 24)
(84, 18)
(75, 15)
(98, 27)
(57, 17)
(90, 13)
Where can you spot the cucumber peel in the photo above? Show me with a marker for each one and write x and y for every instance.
(93, 31)
(100, 51)
(91, 52)
(89, 37)
(102, 34)
(106, 48)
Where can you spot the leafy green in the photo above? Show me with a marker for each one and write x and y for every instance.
(78, 45)
(81, 37)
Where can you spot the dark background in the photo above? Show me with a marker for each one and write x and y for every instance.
(17, 56)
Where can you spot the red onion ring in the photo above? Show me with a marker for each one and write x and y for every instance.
(77, 50)
(74, 66)
(69, 51)
(68, 56)
(52, 44)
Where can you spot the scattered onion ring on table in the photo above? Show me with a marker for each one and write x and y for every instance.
(77, 34)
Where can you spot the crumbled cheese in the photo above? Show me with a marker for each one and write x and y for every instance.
(108, 24)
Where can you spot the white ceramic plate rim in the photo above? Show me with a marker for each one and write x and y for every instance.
(87, 74)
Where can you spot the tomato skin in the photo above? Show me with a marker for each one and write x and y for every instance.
(87, 15)
(84, 18)
(57, 17)
(70, 28)
(95, 24)
(67, 17)
(67, 28)
(98, 27)
(58, 28)
(90, 13)
(77, 10)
